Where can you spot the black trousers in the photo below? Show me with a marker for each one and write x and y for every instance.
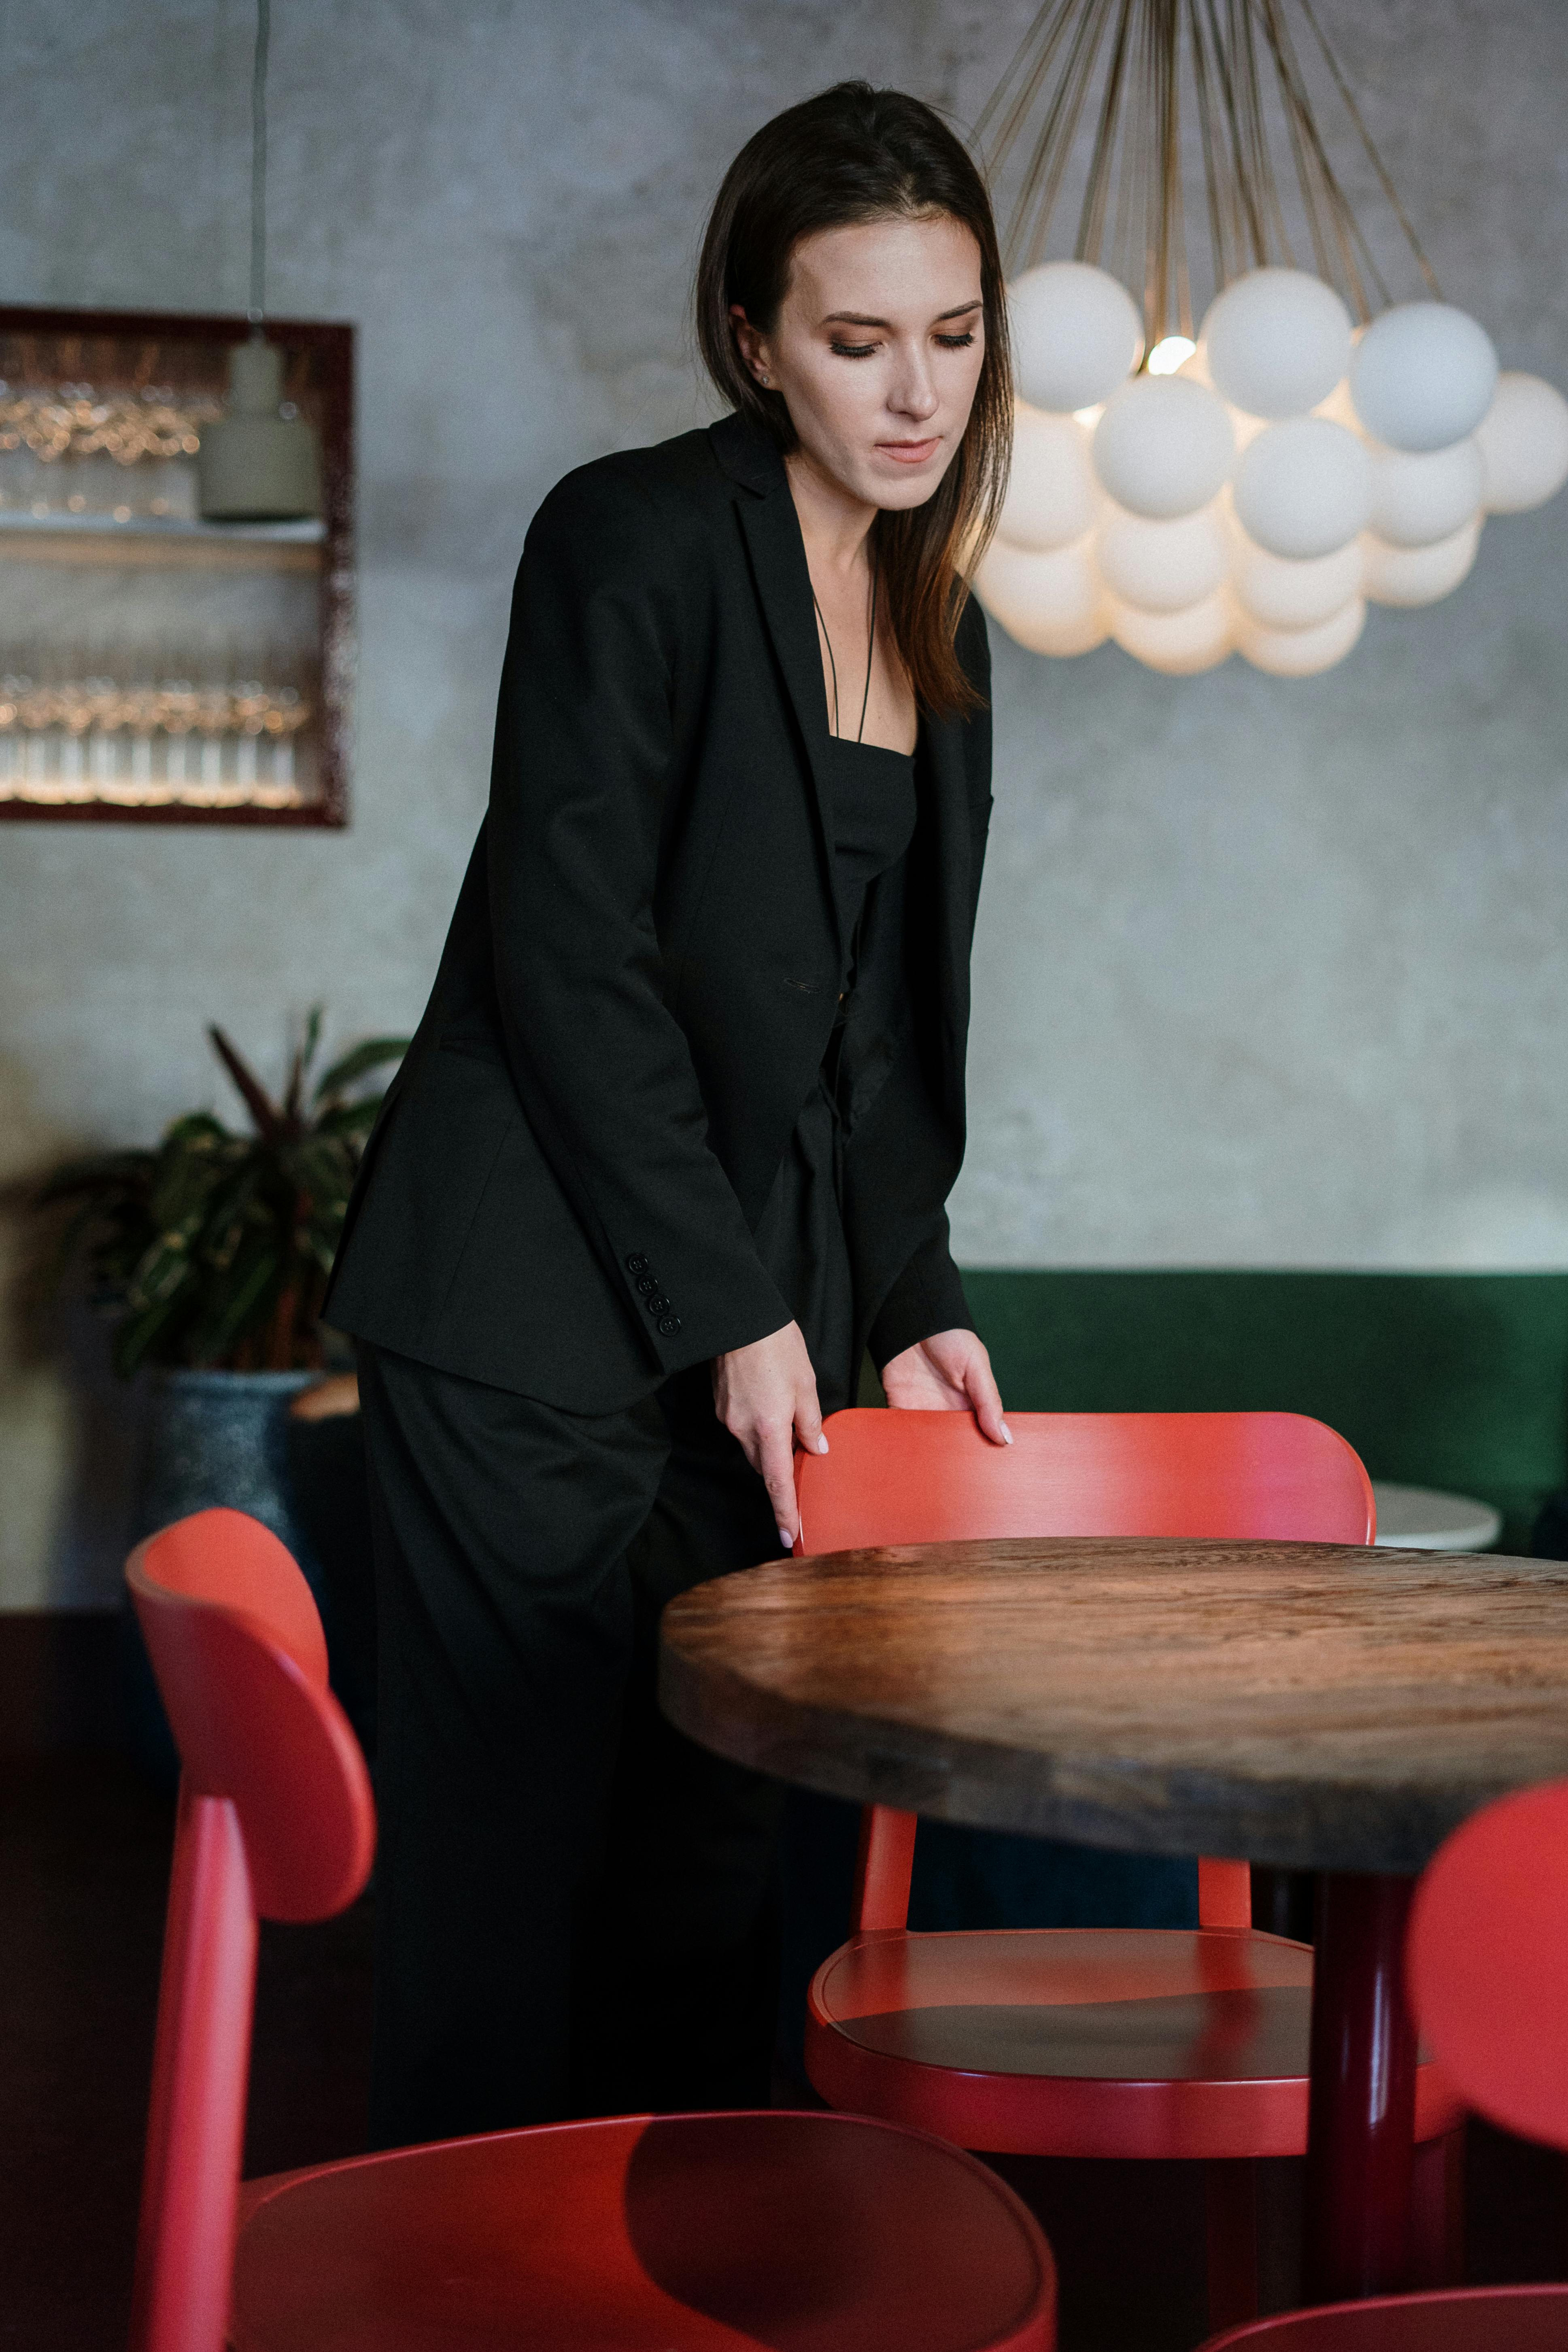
(574, 1904)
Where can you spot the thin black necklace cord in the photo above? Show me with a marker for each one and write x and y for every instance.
(833, 666)
(870, 657)
(870, 654)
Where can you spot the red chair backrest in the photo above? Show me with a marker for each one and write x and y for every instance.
(241, 1663)
(931, 1477)
(1487, 1961)
(275, 1820)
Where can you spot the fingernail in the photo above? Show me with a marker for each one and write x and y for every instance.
(822, 1444)
(786, 1539)
(1006, 1434)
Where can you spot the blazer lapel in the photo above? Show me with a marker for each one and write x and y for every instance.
(783, 591)
(955, 858)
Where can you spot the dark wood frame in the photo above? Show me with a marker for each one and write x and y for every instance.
(332, 348)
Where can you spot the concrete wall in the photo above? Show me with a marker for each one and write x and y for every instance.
(1268, 972)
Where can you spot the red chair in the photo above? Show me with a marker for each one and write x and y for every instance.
(710, 2234)
(1488, 1980)
(1076, 2042)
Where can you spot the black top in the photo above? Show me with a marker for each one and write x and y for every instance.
(641, 980)
(801, 1237)
(874, 807)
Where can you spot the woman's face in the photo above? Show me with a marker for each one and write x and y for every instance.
(877, 350)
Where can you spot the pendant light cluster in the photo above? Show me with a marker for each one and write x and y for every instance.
(1312, 447)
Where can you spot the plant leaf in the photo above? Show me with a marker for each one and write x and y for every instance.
(161, 1270)
(350, 1120)
(367, 1056)
(244, 1310)
(271, 1122)
(294, 1093)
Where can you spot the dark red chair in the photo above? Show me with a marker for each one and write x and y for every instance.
(1486, 1968)
(708, 2233)
(1082, 2042)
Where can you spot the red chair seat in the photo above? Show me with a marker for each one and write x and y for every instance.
(1464, 2319)
(799, 2232)
(1079, 2041)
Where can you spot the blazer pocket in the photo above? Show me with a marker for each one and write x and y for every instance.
(528, 1305)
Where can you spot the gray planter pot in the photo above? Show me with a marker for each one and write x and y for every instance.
(220, 1440)
(216, 1440)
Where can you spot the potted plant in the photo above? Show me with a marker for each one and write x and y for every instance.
(210, 1255)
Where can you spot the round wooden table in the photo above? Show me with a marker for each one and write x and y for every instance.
(1314, 1706)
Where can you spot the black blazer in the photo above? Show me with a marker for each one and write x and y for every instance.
(642, 972)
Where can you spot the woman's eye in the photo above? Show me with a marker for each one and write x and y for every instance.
(956, 342)
(853, 351)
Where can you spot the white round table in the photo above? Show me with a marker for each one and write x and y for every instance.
(1420, 1518)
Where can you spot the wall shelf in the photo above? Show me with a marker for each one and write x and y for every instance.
(155, 668)
(308, 533)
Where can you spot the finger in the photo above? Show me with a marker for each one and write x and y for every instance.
(777, 1466)
(809, 1423)
(985, 1398)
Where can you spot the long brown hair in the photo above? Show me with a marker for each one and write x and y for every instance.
(851, 154)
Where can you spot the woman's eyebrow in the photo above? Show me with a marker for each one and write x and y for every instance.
(859, 317)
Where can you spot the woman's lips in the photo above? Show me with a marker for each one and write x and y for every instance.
(910, 453)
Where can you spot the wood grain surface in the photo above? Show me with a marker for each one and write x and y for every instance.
(1312, 1706)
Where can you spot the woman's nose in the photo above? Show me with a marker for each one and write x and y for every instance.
(913, 394)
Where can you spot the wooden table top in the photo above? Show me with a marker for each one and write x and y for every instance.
(1312, 1706)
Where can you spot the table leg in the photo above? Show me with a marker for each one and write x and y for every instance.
(1361, 2109)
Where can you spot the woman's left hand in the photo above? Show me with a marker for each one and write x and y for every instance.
(949, 1372)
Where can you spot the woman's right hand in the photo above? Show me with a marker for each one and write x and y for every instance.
(766, 1395)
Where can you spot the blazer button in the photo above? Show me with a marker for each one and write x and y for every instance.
(668, 1325)
(660, 1306)
(636, 1263)
(647, 1282)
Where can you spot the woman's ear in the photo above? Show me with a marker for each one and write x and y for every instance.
(750, 345)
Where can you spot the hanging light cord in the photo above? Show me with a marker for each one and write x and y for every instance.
(1134, 49)
(259, 164)
(1373, 157)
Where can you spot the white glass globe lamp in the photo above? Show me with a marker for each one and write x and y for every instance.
(1277, 341)
(1523, 441)
(1053, 497)
(1420, 496)
(1422, 375)
(1076, 334)
(1279, 592)
(1302, 652)
(1419, 575)
(1163, 447)
(1242, 427)
(1161, 566)
(1181, 643)
(1303, 487)
(1049, 603)
(1340, 408)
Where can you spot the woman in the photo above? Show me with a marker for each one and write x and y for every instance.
(671, 1146)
